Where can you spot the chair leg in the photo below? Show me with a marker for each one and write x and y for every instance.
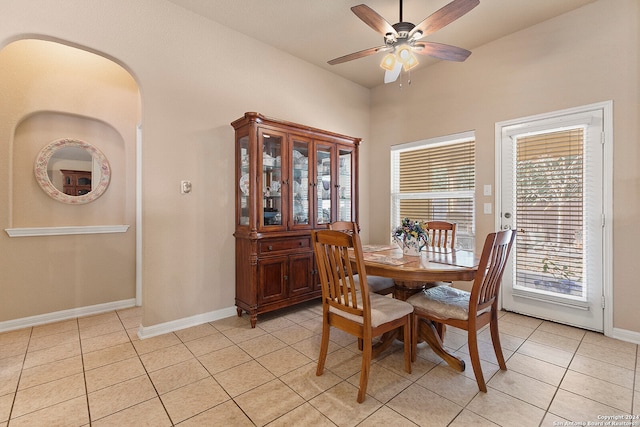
(475, 359)
(366, 366)
(495, 339)
(415, 326)
(441, 328)
(324, 346)
(408, 344)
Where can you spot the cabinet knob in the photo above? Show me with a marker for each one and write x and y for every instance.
(286, 277)
(270, 248)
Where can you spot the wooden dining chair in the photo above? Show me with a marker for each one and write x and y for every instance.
(378, 284)
(348, 305)
(469, 311)
(442, 234)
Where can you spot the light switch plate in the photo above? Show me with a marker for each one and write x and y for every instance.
(487, 189)
(487, 208)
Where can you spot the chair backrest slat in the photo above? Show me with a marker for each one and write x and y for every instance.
(339, 289)
(493, 260)
(442, 234)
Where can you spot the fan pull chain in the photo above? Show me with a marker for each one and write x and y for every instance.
(402, 78)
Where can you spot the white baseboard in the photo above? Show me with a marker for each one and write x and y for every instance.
(625, 335)
(187, 322)
(57, 316)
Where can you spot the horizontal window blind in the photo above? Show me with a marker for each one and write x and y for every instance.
(459, 211)
(549, 208)
(437, 182)
(442, 168)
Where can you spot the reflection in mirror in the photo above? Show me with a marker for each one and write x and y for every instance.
(72, 171)
(69, 170)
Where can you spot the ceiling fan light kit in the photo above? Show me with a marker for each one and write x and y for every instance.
(400, 39)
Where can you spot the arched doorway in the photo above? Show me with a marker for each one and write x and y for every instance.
(52, 91)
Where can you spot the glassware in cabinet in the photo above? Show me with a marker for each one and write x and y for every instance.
(301, 203)
(271, 156)
(244, 182)
(324, 184)
(345, 197)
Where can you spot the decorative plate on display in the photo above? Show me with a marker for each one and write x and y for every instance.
(244, 183)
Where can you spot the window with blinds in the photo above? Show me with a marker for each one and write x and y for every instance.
(549, 210)
(436, 181)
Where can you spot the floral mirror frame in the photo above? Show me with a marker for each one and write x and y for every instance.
(40, 169)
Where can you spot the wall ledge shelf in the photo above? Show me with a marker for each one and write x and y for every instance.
(63, 231)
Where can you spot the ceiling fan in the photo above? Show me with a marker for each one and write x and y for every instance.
(401, 40)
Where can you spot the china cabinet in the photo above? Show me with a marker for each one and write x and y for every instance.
(289, 179)
(76, 183)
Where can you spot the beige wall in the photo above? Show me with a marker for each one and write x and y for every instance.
(195, 78)
(586, 56)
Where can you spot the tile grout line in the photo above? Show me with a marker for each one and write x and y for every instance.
(146, 373)
(84, 372)
(24, 359)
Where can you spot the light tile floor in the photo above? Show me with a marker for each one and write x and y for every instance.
(95, 371)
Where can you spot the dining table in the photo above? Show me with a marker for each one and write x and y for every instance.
(411, 274)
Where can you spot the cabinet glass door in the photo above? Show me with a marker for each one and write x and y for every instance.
(345, 200)
(323, 184)
(271, 209)
(243, 199)
(300, 181)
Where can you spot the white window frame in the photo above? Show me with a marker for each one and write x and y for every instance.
(464, 240)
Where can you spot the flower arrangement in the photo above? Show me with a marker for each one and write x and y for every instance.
(411, 234)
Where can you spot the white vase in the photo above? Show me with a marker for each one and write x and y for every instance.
(411, 247)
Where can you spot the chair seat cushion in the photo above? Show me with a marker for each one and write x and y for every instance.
(383, 309)
(432, 284)
(376, 283)
(443, 302)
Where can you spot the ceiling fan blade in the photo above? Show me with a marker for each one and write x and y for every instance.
(442, 51)
(391, 76)
(444, 16)
(373, 19)
(357, 55)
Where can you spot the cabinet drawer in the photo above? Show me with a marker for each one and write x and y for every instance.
(283, 245)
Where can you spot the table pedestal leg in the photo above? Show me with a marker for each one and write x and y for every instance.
(429, 333)
(402, 290)
(385, 341)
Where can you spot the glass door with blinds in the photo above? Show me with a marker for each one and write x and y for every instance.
(434, 180)
(551, 193)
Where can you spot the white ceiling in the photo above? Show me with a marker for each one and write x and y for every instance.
(320, 30)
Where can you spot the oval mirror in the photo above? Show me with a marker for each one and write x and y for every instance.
(72, 171)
